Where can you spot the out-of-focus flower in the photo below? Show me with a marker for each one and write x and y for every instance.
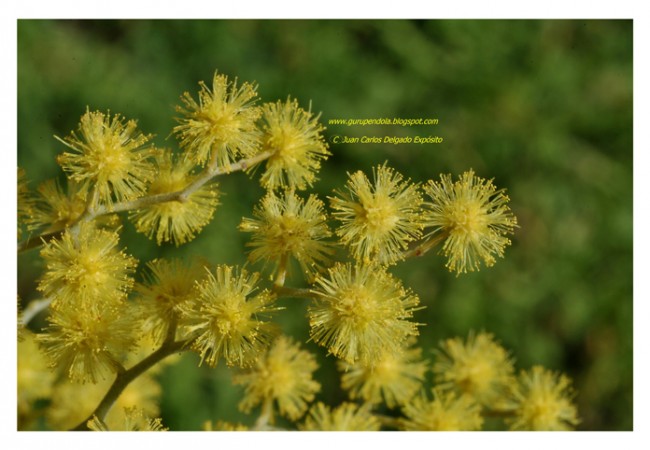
(543, 401)
(220, 425)
(346, 417)
(394, 378)
(134, 420)
(72, 403)
(284, 376)
(446, 412)
(168, 285)
(34, 376)
(479, 367)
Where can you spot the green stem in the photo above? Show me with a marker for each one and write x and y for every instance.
(282, 271)
(32, 310)
(266, 416)
(424, 247)
(124, 378)
(283, 291)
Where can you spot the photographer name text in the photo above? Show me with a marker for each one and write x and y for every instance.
(396, 140)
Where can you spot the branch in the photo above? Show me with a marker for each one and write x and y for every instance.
(424, 247)
(143, 202)
(33, 309)
(124, 378)
(265, 420)
(283, 291)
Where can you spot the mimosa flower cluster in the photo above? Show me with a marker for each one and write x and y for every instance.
(112, 327)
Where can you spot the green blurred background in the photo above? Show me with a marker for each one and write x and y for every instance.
(544, 107)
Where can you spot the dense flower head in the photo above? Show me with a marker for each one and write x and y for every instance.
(394, 378)
(283, 376)
(294, 136)
(543, 401)
(361, 312)
(220, 127)
(168, 285)
(346, 417)
(109, 156)
(446, 412)
(288, 226)
(479, 367)
(86, 268)
(55, 209)
(88, 342)
(472, 217)
(227, 318)
(378, 219)
(176, 221)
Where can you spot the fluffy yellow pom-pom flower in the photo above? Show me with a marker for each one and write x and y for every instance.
(226, 317)
(346, 417)
(88, 342)
(472, 217)
(221, 126)
(295, 139)
(288, 226)
(479, 367)
(176, 221)
(110, 157)
(283, 375)
(378, 219)
(86, 268)
(168, 285)
(361, 312)
(446, 412)
(543, 402)
(55, 209)
(394, 378)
